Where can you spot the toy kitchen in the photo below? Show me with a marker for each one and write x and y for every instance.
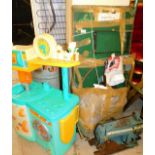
(42, 113)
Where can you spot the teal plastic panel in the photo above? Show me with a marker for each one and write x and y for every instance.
(21, 96)
(47, 105)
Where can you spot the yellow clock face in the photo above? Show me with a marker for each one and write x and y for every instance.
(44, 47)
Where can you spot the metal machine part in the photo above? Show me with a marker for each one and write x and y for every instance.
(122, 131)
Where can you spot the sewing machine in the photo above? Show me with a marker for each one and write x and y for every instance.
(125, 130)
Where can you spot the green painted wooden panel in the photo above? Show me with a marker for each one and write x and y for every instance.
(104, 42)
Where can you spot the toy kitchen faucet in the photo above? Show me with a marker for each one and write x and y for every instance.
(42, 113)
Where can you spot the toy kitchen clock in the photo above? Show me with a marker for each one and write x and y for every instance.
(42, 113)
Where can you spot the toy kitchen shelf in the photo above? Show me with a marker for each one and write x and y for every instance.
(58, 63)
(54, 62)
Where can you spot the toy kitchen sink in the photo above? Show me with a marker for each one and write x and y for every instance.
(42, 113)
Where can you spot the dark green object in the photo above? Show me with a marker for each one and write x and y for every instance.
(104, 41)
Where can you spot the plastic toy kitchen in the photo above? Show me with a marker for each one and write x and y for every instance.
(42, 113)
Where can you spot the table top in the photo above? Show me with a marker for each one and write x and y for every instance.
(53, 62)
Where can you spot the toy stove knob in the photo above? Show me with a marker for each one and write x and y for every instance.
(46, 86)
